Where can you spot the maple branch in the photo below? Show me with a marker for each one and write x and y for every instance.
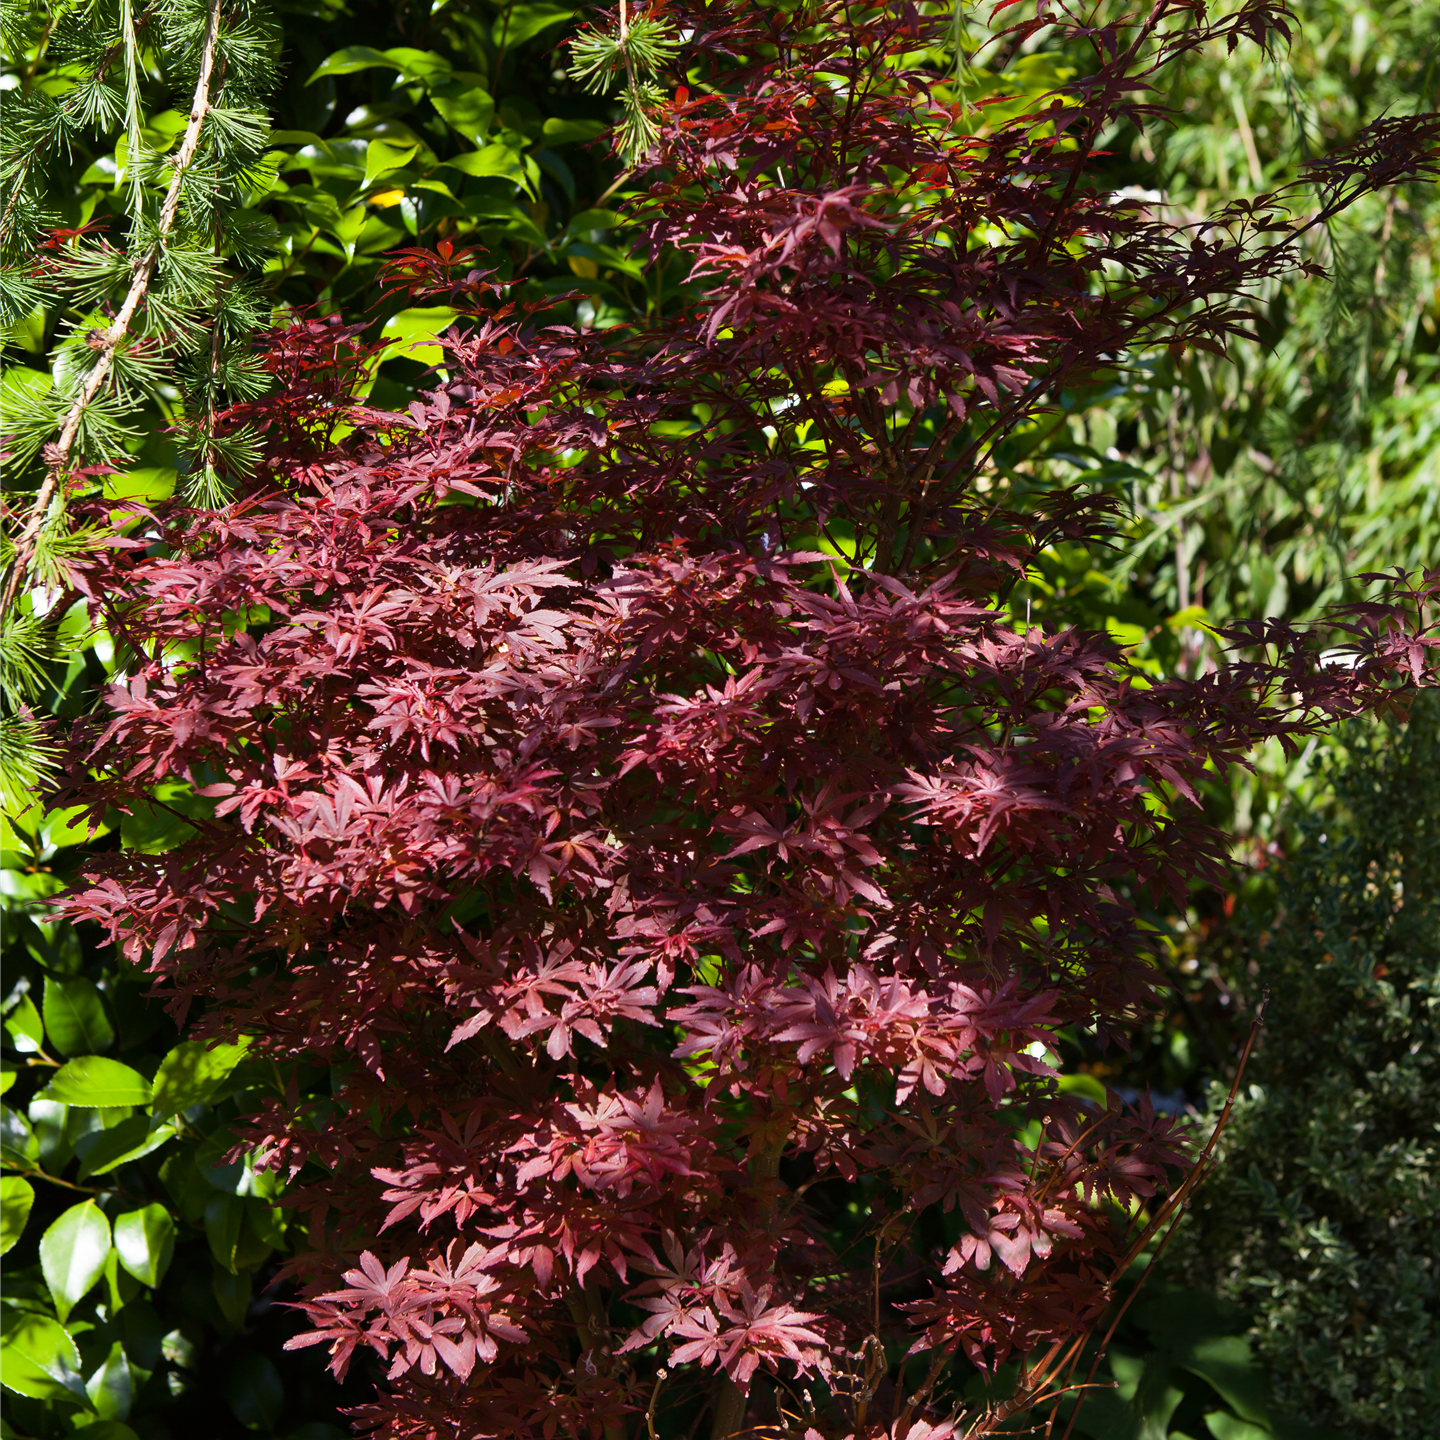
(119, 329)
(1171, 1209)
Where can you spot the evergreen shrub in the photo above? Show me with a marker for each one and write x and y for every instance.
(1322, 1218)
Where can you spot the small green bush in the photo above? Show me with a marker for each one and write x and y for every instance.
(1322, 1219)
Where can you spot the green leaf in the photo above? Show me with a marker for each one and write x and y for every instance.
(382, 156)
(257, 1398)
(224, 1215)
(468, 111)
(346, 229)
(111, 1388)
(27, 1033)
(132, 1139)
(496, 158)
(1228, 1363)
(1227, 1427)
(408, 331)
(416, 64)
(193, 1072)
(525, 22)
(232, 1294)
(572, 132)
(147, 484)
(18, 1145)
(349, 60)
(1087, 1087)
(72, 1254)
(75, 1017)
(93, 1082)
(39, 1359)
(145, 1242)
(16, 1197)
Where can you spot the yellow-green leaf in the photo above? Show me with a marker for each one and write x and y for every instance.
(94, 1082)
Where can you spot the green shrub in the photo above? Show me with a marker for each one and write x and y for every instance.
(1322, 1219)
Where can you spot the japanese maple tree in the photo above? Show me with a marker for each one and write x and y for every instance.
(627, 779)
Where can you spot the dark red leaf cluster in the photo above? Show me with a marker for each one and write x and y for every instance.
(653, 879)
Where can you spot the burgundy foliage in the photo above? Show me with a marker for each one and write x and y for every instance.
(665, 895)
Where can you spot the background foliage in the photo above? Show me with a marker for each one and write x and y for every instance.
(1320, 1221)
(1256, 484)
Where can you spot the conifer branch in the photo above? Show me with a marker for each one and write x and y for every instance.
(110, 339)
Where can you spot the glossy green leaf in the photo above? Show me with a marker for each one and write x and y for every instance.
(416, 64)
(145, 483)
(75, 1017)
(496, 158)
(1229, 1364)
(27, 1033)
(349, 60)
(18, 1145)
(131, 1140)
(111, 1388)
(95, 1081)
(232, 1294)
(382, 156)
(16, 1197)
(1087, 1087)
(38, 1358)
(145, 1242)
(524, 22)
(468, 111)
(193, 1072)
(72, 1254)
(412, 333)
(121, 1287)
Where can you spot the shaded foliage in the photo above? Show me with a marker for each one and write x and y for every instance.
(1332, 1154)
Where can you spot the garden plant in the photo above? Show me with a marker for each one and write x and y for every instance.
(620, 867)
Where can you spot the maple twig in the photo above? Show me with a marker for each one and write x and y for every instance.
(119, 328)
(661, 1375)
(1171, 1209)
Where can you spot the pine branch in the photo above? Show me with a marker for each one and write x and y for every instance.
(119, 329)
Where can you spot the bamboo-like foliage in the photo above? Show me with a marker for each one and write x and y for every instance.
(1307, 454)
